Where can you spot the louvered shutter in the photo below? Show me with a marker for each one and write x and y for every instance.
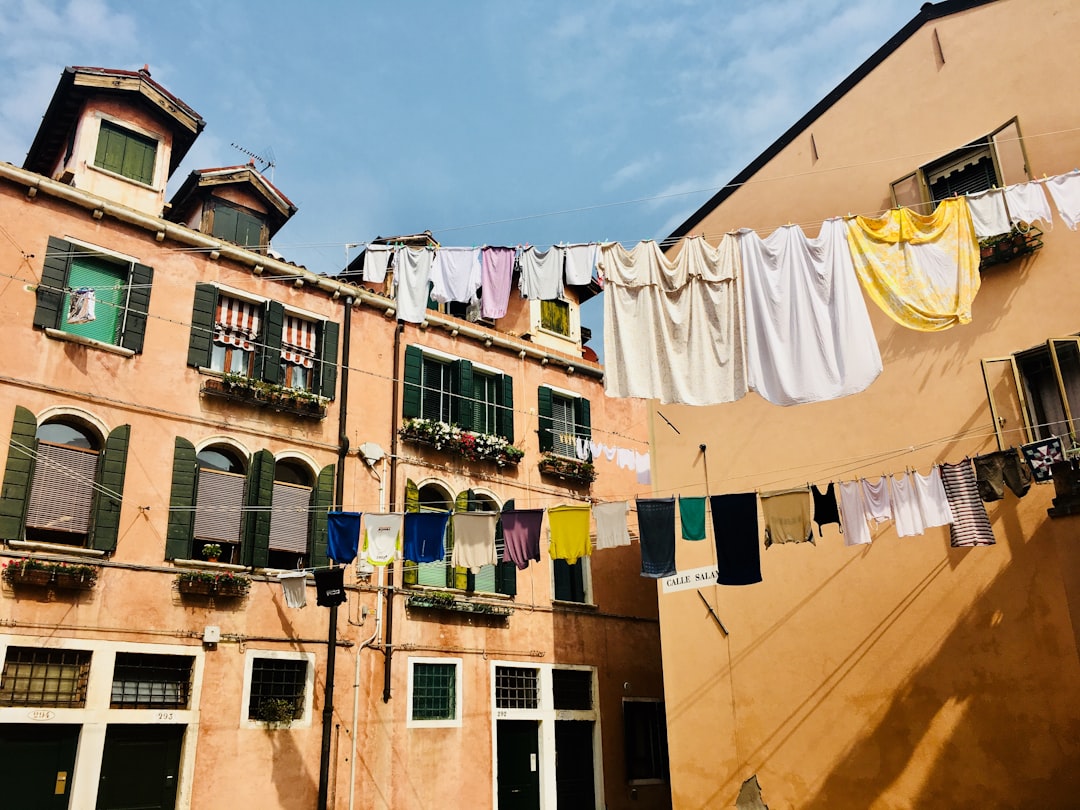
(289, 518)
(18, 472)
(255, 548)
(463, 403)
(219, 510)
(50, 292)
(583, 420)
(413, 376)
(322, 500)
(182, 501)
(268, 365)
(544, 420)
(62, 492)
(505, 418)
(202, 325)
(138, 304)
(109, 498)
(326, 378)
(409, 571)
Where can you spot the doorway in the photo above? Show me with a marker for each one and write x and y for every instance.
(518, 763)
(575, 784)
(140, 767)
(36, 765)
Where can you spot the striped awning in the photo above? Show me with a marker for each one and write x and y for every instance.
(298, 342)
(289, 518)
(237, 323)
(62, 494)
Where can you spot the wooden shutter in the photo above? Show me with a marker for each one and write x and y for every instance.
(255, 545)
(50, 292)
(18, 472)
(138, 304)
(461, 578)
(326, 379)
(505, 418)
(583, 420)
(289, 518)
(463, 402)
(268, 365)
(413, 377)
(321, 501)
(225, 218)
(409, 569)
(505, 572)
(62, 492)
(110, 496)
(202, 325)
(182, 501)
(544, 421)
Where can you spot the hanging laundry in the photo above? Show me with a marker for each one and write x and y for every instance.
(455, 274)
(643, 469)
(692, 518)
(474, 540)
(496, 277)
(82, 306)
(580, 262)
(656, 531)
(672, 327)
(995, 471)
(876, 499)
(735, 532)
(412, 271)
(568, 532)
(294, 588)
(609, 453)
(343, 535)
(376, 262)
(933, 503)
(541, 274)
(923, 271)
(597, 449)
(787, 516)
(581, 449)
(521, 536)
(382, 537)
(1028, 204)
(611, 528)
(905, 504)
(1041, 456)
(329, 586)
(1065, 189)
(825, 509)
(971, 525)
(989, 216)
(856, 531)
(425, 534)
(808, 334)
(624, 457)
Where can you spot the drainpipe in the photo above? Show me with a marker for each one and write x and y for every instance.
(339, 496)
(395, 408)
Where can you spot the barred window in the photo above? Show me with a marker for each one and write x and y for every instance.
(277, 689)
(149, 681)
(516, 688)
(572, 689)
(433, 692)
(34, 677)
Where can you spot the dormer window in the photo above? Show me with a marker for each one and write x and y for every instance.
(126, 153)
(240, 226)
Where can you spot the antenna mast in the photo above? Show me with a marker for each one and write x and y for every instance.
(265, 162)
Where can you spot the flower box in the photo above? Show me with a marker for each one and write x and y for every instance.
(209, 583)
(996, 250)
(567, 469)
(62, 576)
(265, 395)
(451, 604)
(465, 443)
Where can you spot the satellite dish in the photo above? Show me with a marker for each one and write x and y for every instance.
(371, 453)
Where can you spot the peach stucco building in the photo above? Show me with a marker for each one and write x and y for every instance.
(904, 673)
(222, 395)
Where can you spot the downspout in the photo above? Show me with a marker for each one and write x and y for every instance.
(388, 644)
(339, 496)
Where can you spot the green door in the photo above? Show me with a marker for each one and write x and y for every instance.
(140, 767)
(518, 764)
(36, 765)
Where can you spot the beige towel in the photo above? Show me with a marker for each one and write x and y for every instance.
(474, 540)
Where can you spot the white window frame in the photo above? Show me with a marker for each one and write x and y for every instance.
(459, 693)
(304, 721)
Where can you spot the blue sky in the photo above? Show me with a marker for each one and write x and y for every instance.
(477, 120)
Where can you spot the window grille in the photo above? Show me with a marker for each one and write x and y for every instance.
(572, 689)
(149, 681)
(516, 688)
(434, 691)
(276, 680)
(34, 677)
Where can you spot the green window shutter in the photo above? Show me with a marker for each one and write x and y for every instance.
(138, 160)
(409, 569)
(182, 498)
(583, 419)
(108, 499)
(413, 376)
(109, 282)
(505, 419)
(138, 304)
(50, 292)
(202, 325)
(269, 363)
(249, 231)
(458, 577)
(18, 473)
(225, 219)
(544, 421)
(322, 498)
(258, 498)
(505, 572)
(328, 358)
(463, 407)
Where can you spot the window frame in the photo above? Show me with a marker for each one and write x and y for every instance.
(582, 565)
(546, 429)
(130, 136)
(459, 691)
(305, 718)
(564, 308)
(462, 402)
(81, 661)
(241, 211)
(662, 764)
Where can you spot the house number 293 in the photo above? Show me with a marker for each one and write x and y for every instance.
(164, 715)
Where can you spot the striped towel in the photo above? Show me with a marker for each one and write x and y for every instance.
(971, 526)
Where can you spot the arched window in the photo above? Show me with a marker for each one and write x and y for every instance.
(62, 491)
(219, 508)
(434, 497)
(290, 516)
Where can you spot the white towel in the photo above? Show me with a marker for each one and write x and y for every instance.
(1065, 189)
(412, 269)
(933, 502)
(580, 263)
(455, 274)
(294, 586)
(611, 530)
(1027, 203)
(641, 465)
(541, 274)
(988, 213)
(376, 260)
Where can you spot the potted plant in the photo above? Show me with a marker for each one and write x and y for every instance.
(213, 583)
(211, 552)
(60, 575)
(278, 711)
(568, 469)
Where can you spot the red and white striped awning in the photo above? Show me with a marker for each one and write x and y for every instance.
(298, 342)
(237, 323)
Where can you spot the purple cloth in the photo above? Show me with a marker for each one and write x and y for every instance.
(521, 536)
(424, 534)
(344, 536)
(496, 274)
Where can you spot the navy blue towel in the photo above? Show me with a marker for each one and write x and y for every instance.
(344, 536)
(656, 527)
(735, 530)
(424, 534)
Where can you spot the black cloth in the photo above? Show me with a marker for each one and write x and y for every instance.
(329, 586)
(735, 530)
(825, 508)
(656, 528)
(995, 471)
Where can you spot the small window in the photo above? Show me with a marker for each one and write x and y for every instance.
(298, 343)
(438, 390)
(516, 688)
(487, 390)
(1048, 413)
(572, 689)
(277, 689)
(565, 423)
(236, 335)
(150, 681)
(36, 677)
(645, 741)
(240, 226)
(555, 317)
(434, 692)
(126, 153)
(219, 509)
(62, 491)
(563, 426)
(572, 580)
(290, 515)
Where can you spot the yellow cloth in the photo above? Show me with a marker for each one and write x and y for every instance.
(923, 271)
(568, 531)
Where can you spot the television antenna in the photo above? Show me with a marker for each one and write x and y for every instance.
(264, 163)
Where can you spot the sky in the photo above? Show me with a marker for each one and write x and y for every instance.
(485, 122)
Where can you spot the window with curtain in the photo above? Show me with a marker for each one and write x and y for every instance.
(290, 517)
(219, 508)
(298, 343)
(236, 335)
(62, 491)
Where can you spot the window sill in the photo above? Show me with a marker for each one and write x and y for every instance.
(274, 398)
(640, 782)
(559, 335)
(60, 334)
(210, 566)
(118, 176)
(54, 548)
(564, 604)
